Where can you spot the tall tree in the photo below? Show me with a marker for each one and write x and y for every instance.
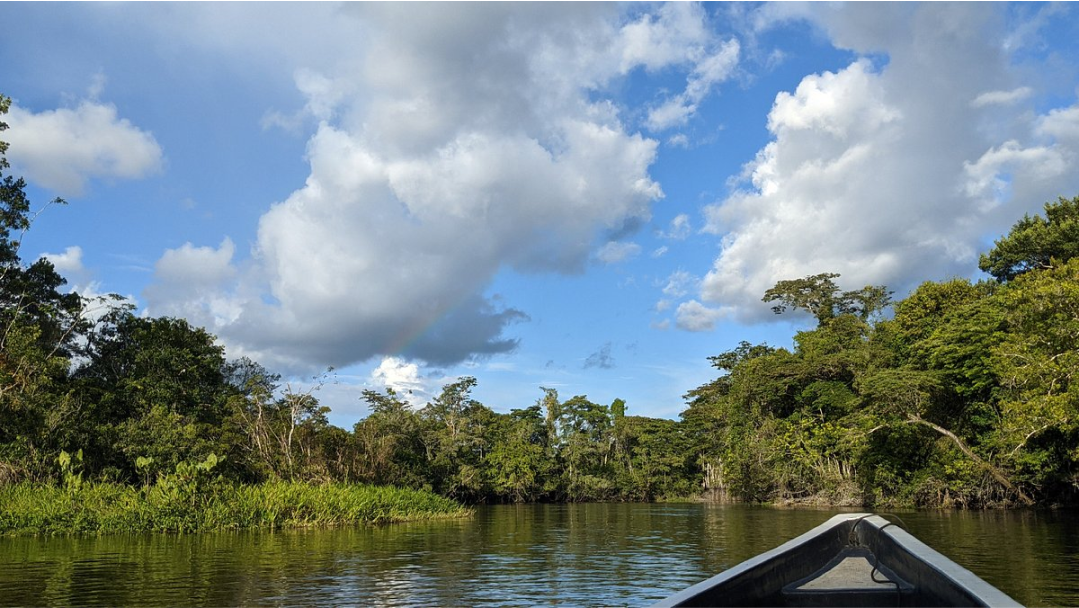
(585, 449)
(153, 387)
(518, 462)
(820, 296)
(457, 439)
(1037, 362)
(816, 294)
(1036, 242)
(39, 332)
(390, 442)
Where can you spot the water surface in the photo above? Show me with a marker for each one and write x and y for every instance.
(589, 554)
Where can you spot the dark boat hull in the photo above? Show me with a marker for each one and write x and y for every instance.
(850, 560)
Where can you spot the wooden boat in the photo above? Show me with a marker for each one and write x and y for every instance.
(850, 560)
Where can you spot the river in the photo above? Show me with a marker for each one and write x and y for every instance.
(584, 554)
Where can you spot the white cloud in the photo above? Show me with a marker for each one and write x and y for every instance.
(404, 378)
(675, 34)
(694, 316)
(98, 302)
(678, 140)
(1061, 125)
(1002, 98)
(678, 34)
(660, 251)
(888, 175)
(197, 265)
(458, 141)
(62, 149)
(617, 251)
(192, 282)
(987, 177)
(68, 262)
(708, 72)
(679, 283)
(679, 228)
(69, 265)
(324, 95)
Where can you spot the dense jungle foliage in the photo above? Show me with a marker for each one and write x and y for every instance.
(961, 394)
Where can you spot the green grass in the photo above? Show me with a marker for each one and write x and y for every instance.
(103, 508)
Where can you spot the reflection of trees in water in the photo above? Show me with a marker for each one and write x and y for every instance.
(614, 553)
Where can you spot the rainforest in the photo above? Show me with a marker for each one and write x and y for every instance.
(962, 394)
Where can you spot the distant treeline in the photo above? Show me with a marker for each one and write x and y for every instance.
(962, 394)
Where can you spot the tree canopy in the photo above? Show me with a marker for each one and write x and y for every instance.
(820, 296)
(965, 397)
(1036, 242)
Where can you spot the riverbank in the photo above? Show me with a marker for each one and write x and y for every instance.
(104, 508)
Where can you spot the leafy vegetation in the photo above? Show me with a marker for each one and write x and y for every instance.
(962, 396)
(192, 500)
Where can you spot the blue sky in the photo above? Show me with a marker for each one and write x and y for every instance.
(591, 198)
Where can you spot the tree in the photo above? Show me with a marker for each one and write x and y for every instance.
(518, 462)
(820, 296)
(152, 387)
(457, 439)
(927, 308)
(390, 442)
(655, 459)
(909, 397)
(816, 294)
(29, 295)
(39, 332)
(1035, 242)
(1037, 362)
(585, 449)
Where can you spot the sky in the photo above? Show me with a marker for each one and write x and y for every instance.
(586, 197)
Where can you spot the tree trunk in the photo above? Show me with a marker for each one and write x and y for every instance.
(995, 472)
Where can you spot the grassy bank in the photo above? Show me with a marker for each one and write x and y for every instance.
(103, 508)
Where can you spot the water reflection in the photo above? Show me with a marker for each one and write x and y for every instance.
(606, 554)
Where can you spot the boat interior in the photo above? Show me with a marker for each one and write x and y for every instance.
(850, 560)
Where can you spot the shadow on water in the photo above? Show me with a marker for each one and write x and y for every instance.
(583, 554)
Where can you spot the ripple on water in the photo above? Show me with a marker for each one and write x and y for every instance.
(515, 555)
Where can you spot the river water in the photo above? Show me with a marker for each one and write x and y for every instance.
(582, 555)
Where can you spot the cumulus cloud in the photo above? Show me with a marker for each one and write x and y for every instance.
(62, 149)
(708, 72)
(197, 266)
(887, 173)
(678, 34)
(404, 378)
(694, 316)
(457, 142)
(616, 251)
(97, 302)
(323, 96)
(1060, 126)
(675, 34)
(70, 261)
(69, 265)
(193, 280)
